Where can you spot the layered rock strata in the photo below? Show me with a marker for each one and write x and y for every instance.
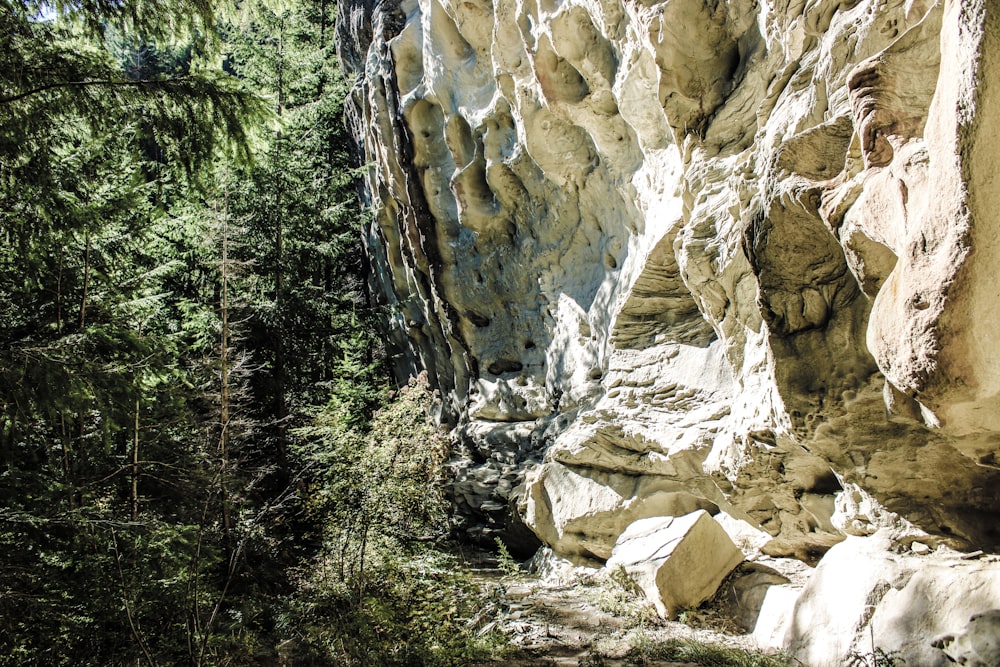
(663, 256)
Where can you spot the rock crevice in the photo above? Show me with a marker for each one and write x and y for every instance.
(670, 255)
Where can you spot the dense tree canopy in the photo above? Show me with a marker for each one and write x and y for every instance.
(190, 468)
(179, 295)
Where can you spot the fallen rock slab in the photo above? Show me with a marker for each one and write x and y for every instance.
(678, 562)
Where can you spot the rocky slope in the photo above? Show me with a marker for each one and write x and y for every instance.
(662, 256)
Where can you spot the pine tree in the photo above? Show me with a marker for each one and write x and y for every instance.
(181, 295)
(100, 518)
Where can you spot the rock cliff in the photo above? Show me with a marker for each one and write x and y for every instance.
(670, 255)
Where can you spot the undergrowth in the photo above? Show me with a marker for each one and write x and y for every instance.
(616, 593)
(646, 651)
(416, 613)
(505, 562)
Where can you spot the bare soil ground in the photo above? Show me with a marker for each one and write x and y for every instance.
(566, 616)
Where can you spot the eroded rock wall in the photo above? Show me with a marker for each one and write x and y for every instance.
(671, 255)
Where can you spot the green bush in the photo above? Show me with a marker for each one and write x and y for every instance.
(384, 589)
(646, 651)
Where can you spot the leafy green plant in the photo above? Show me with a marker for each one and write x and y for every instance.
(877, 657)
(614, 592)
(506, 562)
(689, 617)
(384, 589)
(647, 650)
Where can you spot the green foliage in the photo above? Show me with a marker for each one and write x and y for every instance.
(178, 291)
(415, 612)
(506, 562)
(153, 18)
(877, 657)
(379, 487)
(383, 590)
(192, 470)
(77, 75)
(614, 592)
(648, 651)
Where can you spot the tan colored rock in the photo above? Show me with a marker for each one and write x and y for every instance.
(678, 562)
(679, 254)
(582, 512)
(870, 586)
(749, 539)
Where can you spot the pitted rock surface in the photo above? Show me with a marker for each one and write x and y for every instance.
(663, 255)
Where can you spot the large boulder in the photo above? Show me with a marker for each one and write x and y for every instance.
(978, 645)
(678, 562)
(581, 512)
(889, 593)
(776, 613)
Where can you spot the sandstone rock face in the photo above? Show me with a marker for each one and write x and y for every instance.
(863, 589)
(978, 645)
(678, 562)
(742, 251)
(669, 255)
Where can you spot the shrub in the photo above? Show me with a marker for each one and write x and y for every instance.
(384, 590)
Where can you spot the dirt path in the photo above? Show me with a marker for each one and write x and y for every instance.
(575, 616)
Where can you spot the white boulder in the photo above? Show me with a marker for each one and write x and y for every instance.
(678, 562)
(871, 593)
(978, 645)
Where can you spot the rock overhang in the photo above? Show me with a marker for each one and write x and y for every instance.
(742, 251)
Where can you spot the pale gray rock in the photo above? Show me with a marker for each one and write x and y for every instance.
(978, 645)
(679, 561)
(876, 587)
(676, 254)
(731, 242)
(776, 613)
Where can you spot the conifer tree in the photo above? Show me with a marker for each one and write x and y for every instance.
(99, 511)
(159, 368)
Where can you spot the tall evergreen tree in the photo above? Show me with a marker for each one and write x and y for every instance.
(108, 553)
(180, 301)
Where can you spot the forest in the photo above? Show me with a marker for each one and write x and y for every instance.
(204, 461)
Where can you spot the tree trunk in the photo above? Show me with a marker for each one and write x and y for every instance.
(280, 400)
(59, 276)
(86, 281)
(224, 393)
(134, 495)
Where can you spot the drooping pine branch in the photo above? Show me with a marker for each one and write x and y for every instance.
(151, 83)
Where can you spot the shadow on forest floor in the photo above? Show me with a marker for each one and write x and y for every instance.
(580, 616)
